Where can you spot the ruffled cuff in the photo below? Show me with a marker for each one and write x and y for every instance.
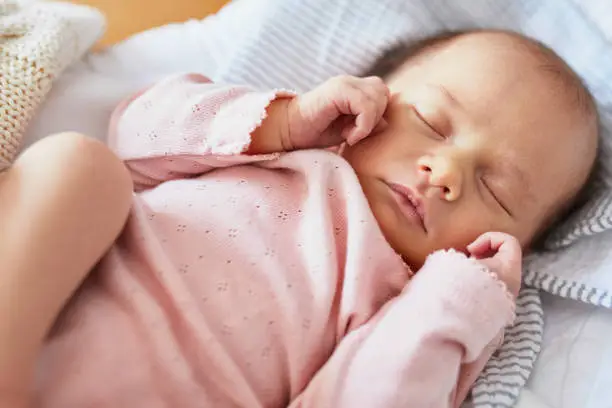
(232, 128)
(468, 290)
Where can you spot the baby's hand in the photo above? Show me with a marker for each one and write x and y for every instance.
(501, 253)
(344, 108)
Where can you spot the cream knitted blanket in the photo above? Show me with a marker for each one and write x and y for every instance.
(38, 40)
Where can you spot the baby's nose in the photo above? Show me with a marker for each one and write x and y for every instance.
(441, 174)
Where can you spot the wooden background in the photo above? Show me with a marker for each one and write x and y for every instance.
(126, 17)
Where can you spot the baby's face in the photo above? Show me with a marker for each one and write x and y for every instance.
(479, 139)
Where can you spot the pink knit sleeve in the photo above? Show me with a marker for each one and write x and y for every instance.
(186, 125)
(411, 353)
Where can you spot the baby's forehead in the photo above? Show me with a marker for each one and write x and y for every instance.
(503, 58)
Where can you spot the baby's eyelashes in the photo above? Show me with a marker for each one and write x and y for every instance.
(433, 120)
(495, 195)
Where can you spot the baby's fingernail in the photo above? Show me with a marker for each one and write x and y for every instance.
(351, 141)
(354, 138)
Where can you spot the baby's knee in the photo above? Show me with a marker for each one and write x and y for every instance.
(86, 165)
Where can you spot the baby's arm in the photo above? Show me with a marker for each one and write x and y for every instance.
(186, 125)
(62, 204)
(410, 354)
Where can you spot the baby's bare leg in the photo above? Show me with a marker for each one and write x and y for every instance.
(62, 205)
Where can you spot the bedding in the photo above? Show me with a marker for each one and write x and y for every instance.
(38, 42)
(84, 97)
(572, 370)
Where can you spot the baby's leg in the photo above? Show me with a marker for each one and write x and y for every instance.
(62, 204)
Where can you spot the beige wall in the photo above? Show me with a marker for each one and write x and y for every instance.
(126, 17)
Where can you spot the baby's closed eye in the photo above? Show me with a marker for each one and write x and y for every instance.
(432, 125)
(496, 193)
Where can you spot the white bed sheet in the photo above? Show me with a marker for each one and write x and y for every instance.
(575, 365)
(83, 98)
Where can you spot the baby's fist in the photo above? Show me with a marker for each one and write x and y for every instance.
(502, 254)
(343, 108)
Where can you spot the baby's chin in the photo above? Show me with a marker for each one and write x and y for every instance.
(409, 243)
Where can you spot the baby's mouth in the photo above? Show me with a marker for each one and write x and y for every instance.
(410, 203)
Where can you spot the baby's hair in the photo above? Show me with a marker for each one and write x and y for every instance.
(396, 55)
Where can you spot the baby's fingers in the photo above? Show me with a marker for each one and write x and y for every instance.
(363, 109)
(378, 91)
(496, 244)
(367, 101)
(507, 247)
(481, 248)
(501, 253)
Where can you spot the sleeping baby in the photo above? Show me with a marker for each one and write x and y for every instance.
(358, 245)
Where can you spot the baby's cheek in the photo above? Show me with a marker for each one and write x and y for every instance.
(464, 230)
